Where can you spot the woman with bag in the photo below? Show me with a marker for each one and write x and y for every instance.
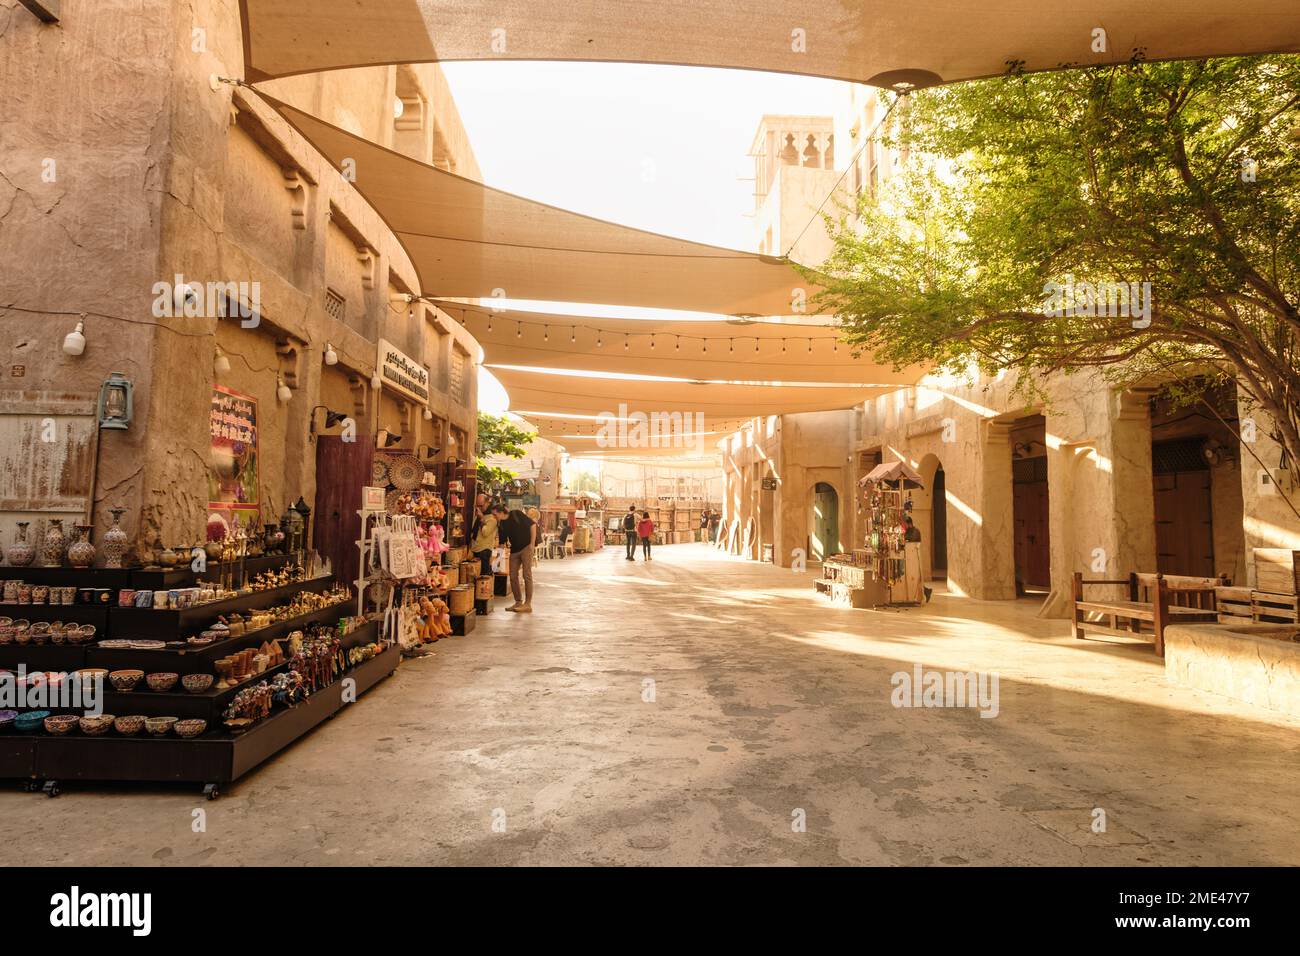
(484, 534)
(644, 529)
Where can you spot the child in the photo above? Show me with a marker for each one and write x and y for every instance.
(644, 529)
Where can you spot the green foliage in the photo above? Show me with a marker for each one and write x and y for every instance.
(497, 435)
(1184, 175)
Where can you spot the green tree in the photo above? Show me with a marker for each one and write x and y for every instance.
(1182, 175)
(499, 436)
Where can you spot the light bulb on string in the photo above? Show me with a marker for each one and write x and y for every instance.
(810, 345)
(706, 345)
(678, 346)
(652, 342)
(756, 346)
(625, 341)
(598, 342)
(546, 333)
(489, 323)
(783, 345)
(573, 334)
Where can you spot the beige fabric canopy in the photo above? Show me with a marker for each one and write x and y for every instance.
(532, 391)
(466, 240)
(725, 351)
(920, 42)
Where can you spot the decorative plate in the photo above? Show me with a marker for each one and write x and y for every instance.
(379, 472)
(390, 501)
(406, 473)
(147, 645)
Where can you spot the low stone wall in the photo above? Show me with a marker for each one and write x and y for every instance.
(1255, 663)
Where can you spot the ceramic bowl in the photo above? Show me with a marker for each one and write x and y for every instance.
(158, 726)
(197, 683)
(6, 633)
(58, 632)
(60, 724)
(237, 725)
(125, 681)
(190, 728)
(129, 725)
(94, 726)
(22, 635)
(88, 675)
(7, 718)
(162, 681)
(31, 721)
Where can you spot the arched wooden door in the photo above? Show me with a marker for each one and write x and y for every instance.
(825, 522)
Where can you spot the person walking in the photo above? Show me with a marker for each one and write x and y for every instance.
(644, 529)
(520, 532)
(564, 533)
(483, 534)
(629, 532)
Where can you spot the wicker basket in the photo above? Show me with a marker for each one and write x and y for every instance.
(461, 600)
(483, 588)
(469, 571)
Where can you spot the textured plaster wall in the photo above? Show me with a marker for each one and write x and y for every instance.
(159, 175)
(84, 129)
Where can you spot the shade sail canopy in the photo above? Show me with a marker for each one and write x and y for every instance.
(466, 240)
(919, 42)
(532, 391)
(722, 350)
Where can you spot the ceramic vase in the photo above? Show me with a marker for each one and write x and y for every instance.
(167, 557)
(20, 554)
(114, 542)
(56, 542)
(81, 553)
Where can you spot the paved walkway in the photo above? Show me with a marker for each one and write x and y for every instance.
(769, 707)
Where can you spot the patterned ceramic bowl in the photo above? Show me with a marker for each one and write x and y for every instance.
(125, 681)
(31, 721)
(197, 683)
(162, 681)
(191, 728)
(60, 724)
(158, 726)
(7, 718)
(129, 725)
(97, 725)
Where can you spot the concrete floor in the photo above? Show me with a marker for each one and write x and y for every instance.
(767, 701)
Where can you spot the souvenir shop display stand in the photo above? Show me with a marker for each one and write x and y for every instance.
(220, 752)
(887, 570)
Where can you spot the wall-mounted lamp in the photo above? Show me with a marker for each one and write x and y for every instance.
(426, 452)
(331, 418)
(74, 343)
(428, 415)
(331, 357)
(282, 391)
(387, 439)
(115, 406)
(376, 382)
(221, 364)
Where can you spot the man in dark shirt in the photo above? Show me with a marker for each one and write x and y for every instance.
(629, 531)
(520, 532)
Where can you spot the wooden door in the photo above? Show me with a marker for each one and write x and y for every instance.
(1032, 547)
(1184, 526)
(826, 522)
(342, 470)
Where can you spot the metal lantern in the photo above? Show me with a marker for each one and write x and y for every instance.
(299, 518)
(115, 406)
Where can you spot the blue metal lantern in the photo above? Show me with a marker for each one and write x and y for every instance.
(115, 405)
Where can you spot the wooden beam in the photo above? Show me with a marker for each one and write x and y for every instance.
(47, 11)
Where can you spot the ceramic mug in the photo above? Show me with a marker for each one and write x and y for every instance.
(40, 593)
(24, 594)
(11, 591)
(68, 594)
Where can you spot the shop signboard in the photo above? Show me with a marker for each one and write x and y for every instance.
(234, 480)
(769, 484)
(372, 498)
(402, 373)
(532, 501)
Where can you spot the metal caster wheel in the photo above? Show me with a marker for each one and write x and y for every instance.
(30, 786)
(51, 788)
(211, 791)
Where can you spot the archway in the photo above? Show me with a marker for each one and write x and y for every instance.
(825, 523)
(930, 512)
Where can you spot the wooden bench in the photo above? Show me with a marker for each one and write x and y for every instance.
(1154, 601)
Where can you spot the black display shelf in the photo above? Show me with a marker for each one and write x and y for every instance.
(214, 758)
(69, 577)
(45, 657)
(198, 659)
(171, 624)
(209, 705)
(463, 624)
(96, 614)
(483, 606)
(155, 579)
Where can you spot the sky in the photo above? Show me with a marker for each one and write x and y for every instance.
(662, 148)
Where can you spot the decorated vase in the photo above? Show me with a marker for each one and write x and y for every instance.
(20, 554)
(56, 542)
(81, 553)
(114, 543)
